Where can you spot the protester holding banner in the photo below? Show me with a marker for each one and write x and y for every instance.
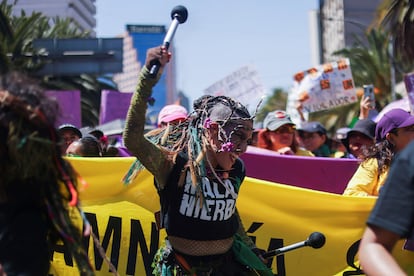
(313, 136)
(337, 145)
(278, 134)
(391, 219)
(359, 138)
(101, 137)
(392, 133)
(68, 133)
(87, 146)
(38, 194)
(172, 114)
(198, 178)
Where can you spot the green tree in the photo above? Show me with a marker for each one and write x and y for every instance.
(399, 20)
(276, 101)
(371, 63)
(18, 32)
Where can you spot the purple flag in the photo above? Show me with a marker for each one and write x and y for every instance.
(70, 107)
(114, 105)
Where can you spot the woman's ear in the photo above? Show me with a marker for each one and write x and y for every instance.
(390, 137)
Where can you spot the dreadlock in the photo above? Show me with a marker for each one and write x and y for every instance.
(32, 167)
(190, 137)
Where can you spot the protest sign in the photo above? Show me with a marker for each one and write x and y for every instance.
(243, 85)
(325, 86)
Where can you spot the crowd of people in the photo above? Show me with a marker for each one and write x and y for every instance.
(194, 157)
(202, 150)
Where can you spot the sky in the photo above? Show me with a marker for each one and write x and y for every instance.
(221, 36)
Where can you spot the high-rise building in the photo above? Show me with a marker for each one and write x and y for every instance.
(81, 11)
(338, 23)
(127, 80)
(143, 38)
(137, 40)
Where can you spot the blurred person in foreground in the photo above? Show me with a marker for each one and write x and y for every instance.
(278, 134)
(200, 163)
(391, 219)
(38, 189)
(392, 134)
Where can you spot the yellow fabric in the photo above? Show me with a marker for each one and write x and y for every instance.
(338, 154)
(365, 181)
(302, 152)
(274, 214)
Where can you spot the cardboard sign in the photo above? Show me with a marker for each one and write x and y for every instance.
(326, 86)
(243, 85)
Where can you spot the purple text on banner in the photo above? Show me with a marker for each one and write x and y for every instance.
(70, 107)
(316, 173)
(114, 105)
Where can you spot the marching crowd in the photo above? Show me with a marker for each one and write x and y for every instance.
(194, 158)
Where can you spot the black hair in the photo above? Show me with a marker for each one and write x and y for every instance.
(90, 146)
(31, 159)
(383, 152)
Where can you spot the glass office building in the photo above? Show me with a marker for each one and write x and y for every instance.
(148, 36)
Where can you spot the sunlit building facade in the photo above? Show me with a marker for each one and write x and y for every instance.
(81, 11)
(338, 23)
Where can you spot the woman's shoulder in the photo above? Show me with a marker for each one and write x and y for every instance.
(370, 162)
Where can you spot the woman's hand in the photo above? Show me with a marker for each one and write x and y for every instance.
(157, 55)
(364, 107)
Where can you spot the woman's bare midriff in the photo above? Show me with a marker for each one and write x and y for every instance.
(200, 248)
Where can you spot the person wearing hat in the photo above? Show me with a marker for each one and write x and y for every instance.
(101, 137)
(314, 138)
(360, 137)
(68, 133)
(171, 114)
(394, 131)
(278, 134)
(336, 144)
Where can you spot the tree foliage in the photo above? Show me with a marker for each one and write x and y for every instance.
(18, 32)
(371, 64)
(276, 101)
(399, 20)
(17, 53)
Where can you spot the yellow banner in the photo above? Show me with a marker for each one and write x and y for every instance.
(275, 215)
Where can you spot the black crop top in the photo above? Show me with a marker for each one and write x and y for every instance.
(185, 215)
